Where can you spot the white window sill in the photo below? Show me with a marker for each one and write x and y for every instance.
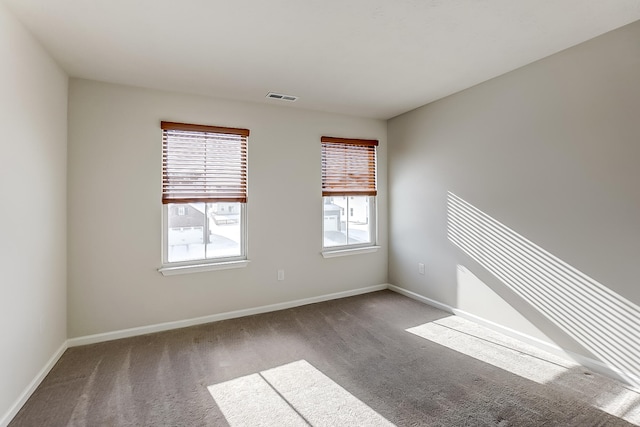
(332, 253)
(198, 268)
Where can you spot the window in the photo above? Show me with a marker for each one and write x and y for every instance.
(348, 185)
(204, 194)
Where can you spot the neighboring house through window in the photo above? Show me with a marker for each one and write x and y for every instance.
(204, 194)
(348, 185)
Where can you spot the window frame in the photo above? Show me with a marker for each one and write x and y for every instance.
(366, 191)
(205, 264)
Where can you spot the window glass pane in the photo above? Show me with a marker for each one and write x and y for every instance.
(196, 234)
(359, 224)
(185, 234)
(225, 234)
(335, 224)
(346, 220)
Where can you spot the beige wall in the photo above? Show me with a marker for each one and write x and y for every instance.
(115, 210)
(550, 151)
(33, 254)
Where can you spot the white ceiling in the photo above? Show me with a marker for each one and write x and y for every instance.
(370, 58)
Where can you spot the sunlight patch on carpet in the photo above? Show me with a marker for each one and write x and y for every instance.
(529, 362)
(496, 349)
(295, 394)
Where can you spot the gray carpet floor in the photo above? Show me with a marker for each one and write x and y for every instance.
(372, 359)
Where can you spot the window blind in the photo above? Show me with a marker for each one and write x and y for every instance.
(203, 163)
(348, 167)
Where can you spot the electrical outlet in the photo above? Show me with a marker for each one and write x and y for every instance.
(280, 274)
(421, 267)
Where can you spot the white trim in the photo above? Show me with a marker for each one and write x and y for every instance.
(351, 251)
(28, 391)
(199, 268)
(142, 330)
(592, 364)
(422, 299)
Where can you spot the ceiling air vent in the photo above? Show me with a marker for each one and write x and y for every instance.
(282, 97)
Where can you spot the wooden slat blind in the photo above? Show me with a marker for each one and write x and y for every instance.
(203, 163)
(348, 167)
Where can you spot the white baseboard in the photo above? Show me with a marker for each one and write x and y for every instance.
(142, 330)
(26, 394)
(543, 345)
(589, 363)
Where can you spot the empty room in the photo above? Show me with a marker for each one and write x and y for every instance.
(337, 213)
